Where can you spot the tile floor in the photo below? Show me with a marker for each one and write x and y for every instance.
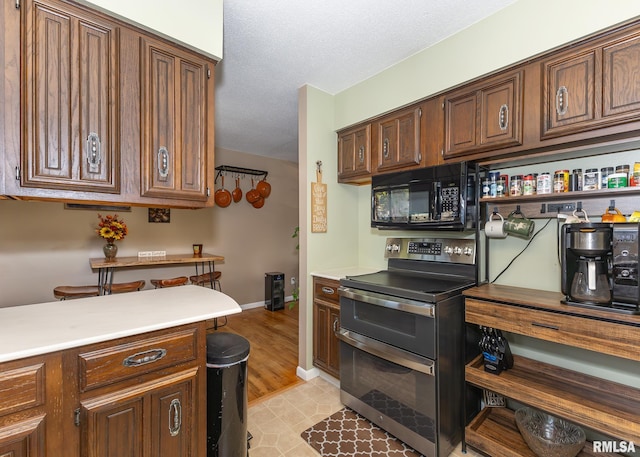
(277, 422)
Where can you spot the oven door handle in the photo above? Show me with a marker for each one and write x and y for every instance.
(386, 352)
(410, 306)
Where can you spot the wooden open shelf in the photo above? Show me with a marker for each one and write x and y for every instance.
(494, 432)
(612, 408)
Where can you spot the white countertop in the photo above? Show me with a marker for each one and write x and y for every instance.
(340, 273)
(42, 328)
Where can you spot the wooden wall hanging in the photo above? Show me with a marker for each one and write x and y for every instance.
(318, 202)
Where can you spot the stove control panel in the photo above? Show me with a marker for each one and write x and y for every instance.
(452, 250)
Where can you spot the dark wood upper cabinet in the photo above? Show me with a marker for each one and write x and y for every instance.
(485, 115)
(593, 86)
(70, 116)
(174, 137)
(397, 140)
(354, 153)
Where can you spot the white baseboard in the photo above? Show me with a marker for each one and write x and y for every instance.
(260, 304)
(307, 375)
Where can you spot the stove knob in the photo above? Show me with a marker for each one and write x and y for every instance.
(448, 250)
(457, 250)
(468, 251)
(395, 248)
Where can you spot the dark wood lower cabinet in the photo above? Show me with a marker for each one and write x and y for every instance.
(157, 415)
(138, 396)
(326, 322)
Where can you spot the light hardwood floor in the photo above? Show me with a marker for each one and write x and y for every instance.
(273, 353)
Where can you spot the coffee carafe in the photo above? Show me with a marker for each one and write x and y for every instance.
(590, 282)
(586, 263)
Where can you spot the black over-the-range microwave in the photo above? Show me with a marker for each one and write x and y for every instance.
(441, 197)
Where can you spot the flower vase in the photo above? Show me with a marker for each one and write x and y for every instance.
(110, 250)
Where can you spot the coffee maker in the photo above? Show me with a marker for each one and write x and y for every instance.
(600, 265)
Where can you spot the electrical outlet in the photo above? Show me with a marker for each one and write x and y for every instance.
(293, 281)
(144, 253)
(158, 253)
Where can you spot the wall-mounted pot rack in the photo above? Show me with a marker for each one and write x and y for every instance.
(239, 172)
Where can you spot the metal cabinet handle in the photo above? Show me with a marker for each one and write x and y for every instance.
(503, 117)
(361, 154)
(328, 290)
(336, 324)
(142, 358)
(175, 417)
(163, 162)
(385, 148)
(95, 154)
(562, 100)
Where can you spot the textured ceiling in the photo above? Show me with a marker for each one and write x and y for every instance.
(274, 47)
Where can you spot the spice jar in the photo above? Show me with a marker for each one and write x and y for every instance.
(527, 185)
(544, 184)
(561, 181)
(591, 179)
(604, 176)
(515, 190)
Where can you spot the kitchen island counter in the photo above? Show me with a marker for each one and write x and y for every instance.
(42, 328)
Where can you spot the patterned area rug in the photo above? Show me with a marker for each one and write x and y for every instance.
(347, 434)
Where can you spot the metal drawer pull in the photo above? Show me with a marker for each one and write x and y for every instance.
(503, 117)
(388, 353)
(372, 298)
(163, 162)
(175, 417)
(328, 290)
(550, 327)
(94, 154)
(336, 325)
(562, 100)
(142, 358)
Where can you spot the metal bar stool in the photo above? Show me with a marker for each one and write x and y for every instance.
(171, 282)
(212, 279)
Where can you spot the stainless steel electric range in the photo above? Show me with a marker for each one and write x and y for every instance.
(403, 344)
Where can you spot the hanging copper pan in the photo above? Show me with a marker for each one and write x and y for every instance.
(237, 192)
(253, 195)
(264, 187)
(222, 197)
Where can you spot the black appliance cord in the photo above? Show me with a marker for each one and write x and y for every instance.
(520, 253)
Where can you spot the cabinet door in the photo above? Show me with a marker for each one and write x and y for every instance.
(398, 140)
(334, 342)
(570, 93)
(621, 78)
(155, 419)
(23, 438)
(484, 116)
(354, 153)
(321, 335)
(70, 111)
(174, 146)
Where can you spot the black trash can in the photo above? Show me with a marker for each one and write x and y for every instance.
(227, 355)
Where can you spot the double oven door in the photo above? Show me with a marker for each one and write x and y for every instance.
(402, 366)
(388, 365)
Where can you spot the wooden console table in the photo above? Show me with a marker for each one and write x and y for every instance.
(106, 268)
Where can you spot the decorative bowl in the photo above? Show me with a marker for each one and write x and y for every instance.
(549, 436)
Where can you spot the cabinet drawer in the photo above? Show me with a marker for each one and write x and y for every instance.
(135, 357)
(595, 335)
(326, 290)
(22, 388)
